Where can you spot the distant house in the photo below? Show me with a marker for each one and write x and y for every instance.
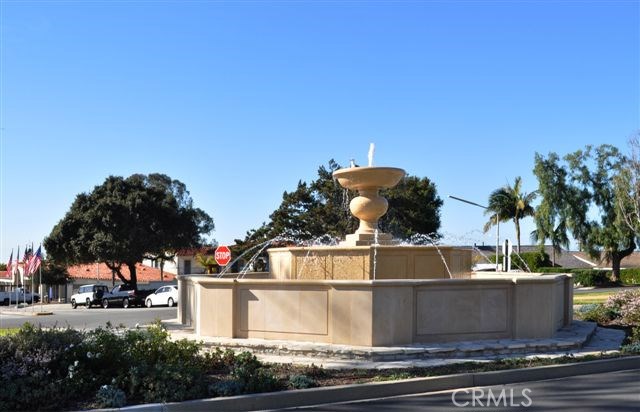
(148, 278)
(184, 262)
(567, 258)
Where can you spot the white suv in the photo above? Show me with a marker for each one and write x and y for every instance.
(88, 295)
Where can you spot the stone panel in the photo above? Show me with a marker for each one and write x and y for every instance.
(283, 311)
(461, 311)
(352, 265)
(395, 266)
(429, 266)
(311, 266)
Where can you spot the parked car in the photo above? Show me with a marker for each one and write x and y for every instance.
(88, 295)
(166, 295)
(125, 296)
(7, 298)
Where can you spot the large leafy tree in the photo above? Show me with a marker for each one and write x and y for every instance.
(125, 219)
(321, 208)
(510, 203)
(579, 196)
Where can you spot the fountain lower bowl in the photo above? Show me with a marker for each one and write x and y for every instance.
(359, 262)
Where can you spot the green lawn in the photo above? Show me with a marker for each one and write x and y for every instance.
(595, 297)
(8, 331)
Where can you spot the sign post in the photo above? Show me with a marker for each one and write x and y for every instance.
(222, 255)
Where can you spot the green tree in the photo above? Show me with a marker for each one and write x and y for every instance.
(414, 208)
(3, 266)
(52, 273)
(627, 187)
(510, 203)
(582, 187)
(321, 208)
(125, 219)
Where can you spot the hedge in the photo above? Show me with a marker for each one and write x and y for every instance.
(630, 276)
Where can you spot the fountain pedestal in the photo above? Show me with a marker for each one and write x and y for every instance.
(368, 206)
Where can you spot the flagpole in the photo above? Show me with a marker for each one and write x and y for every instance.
(41, 294)
(17, 276)
(33, 285)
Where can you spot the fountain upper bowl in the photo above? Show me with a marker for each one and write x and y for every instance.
(357, 178)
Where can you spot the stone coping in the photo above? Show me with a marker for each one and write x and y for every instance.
(366, 247)
(209, 279)
(565, 340)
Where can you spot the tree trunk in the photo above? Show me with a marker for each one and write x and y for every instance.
(116, 269)
(134, 278)
(517, 222)
(616, 259)
(615, 266)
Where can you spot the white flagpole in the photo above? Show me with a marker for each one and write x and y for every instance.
(41, 288)
(17, 276)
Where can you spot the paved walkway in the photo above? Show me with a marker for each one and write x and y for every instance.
(581, 339)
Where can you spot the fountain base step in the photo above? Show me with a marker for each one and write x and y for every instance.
(572, 338)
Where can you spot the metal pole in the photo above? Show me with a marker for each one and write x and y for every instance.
(497, 239)
(41, 289)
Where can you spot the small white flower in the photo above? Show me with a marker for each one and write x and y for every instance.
(76, 363)
(89, 355)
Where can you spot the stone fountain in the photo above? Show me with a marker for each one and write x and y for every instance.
(369, 291)
(369, 253)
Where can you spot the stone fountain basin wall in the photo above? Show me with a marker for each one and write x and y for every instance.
(357, 262)
(377, 313)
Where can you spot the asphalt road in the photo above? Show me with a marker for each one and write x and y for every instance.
(605, 392)
(82, 318)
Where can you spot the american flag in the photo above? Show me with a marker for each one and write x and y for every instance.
(34, 262)
(9, 265)
(25, 260)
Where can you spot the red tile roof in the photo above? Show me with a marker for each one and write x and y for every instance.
(100, 271)
(4, 274)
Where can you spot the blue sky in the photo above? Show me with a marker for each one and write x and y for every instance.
(240, 100)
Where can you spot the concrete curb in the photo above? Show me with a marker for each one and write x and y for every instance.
(357, 392)
(17, 313)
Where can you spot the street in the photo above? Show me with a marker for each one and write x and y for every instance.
(613, 391)
(82, 318)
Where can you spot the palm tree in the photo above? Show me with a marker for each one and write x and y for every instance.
(510, 203)
(208, 262)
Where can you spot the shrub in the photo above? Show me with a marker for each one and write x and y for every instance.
(301, 382)
(595, 313)
(109, 396)
(249, 372)
(51, 369)
(225, 388)
(590, 277)
(630, 276)
(548, 269)
(34, 368)
(626, 306)
(532, 260)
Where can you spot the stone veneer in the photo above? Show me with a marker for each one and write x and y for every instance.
(379, 312)
(357, 262)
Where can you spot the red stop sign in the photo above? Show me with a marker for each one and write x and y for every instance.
(222, 255)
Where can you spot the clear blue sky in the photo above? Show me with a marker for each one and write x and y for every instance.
(239, 100)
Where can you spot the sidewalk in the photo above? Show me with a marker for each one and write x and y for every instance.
(32, 310)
